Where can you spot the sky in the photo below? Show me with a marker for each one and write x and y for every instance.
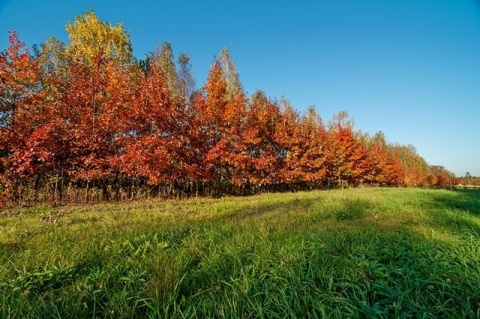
(408, 68)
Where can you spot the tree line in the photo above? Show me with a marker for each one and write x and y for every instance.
(86, 121)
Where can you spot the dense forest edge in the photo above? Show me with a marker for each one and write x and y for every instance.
(87, 122)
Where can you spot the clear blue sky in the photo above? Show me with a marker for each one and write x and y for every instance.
(409, 68)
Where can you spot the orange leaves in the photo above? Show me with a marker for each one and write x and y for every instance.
(21, 111)
(216, 99)
(111, 120)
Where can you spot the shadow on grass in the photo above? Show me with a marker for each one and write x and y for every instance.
(467, 200)
(365, 274)
(10, 247)
(365, 271)
(457, 211)
(342, 209)
(352, 209)
(216, 272)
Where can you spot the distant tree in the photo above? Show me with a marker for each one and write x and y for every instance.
(166, 61)
(441, 176)
(468, 178)
(383, 166)
(347, 156)
(185, 77)
(52, 57)
(416, 169)
(312, 153)
(230, 74)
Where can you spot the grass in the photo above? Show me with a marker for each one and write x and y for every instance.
(356, 253)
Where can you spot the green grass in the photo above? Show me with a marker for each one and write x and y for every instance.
(356, 253)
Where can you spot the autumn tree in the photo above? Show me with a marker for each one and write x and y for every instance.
(259, 161)
(20, 100)
(163, 146)
(185, 77)
(151, 123)
(288, 135)
(230, 74)
(415, 168)
(347, 157)
(313, 158)
(302, 147)
(443, 177)
(221, 119)
(87, 118)
(92, 39)
(28, 140)
(385, 168)
(52, 58)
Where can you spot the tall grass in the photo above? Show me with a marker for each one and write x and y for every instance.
(358, 253)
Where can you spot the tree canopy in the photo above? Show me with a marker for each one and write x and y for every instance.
(85, 121)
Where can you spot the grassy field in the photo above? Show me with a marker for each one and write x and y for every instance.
(356, 253)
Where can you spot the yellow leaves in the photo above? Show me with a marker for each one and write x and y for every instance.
(92, 39)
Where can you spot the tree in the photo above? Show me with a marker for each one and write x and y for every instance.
(151, 123)
(91, 39)
(347, 157)
(20, 99)
(216, 94)
(166, 61)
(468, 178)
(384, 167)
(230, 74)
(312, 159)
(162, 146)
(185, 77)
(289, 138)
(260, 159)
(222, 118)
(415, 168)
(52, 57)
(302, 149)
(92, 114)
(19, 79)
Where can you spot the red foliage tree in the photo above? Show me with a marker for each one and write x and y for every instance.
(21, 108)
(98, 120)
(347, 157)
(302, 140)
(259, 159)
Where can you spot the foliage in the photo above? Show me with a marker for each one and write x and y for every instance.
(92, 39)
(85, 122)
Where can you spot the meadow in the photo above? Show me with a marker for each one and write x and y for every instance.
(352, 253)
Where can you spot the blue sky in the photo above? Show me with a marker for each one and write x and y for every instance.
(409, 68)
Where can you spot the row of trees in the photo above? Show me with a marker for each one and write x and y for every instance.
(86, 121)
(469, 180)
